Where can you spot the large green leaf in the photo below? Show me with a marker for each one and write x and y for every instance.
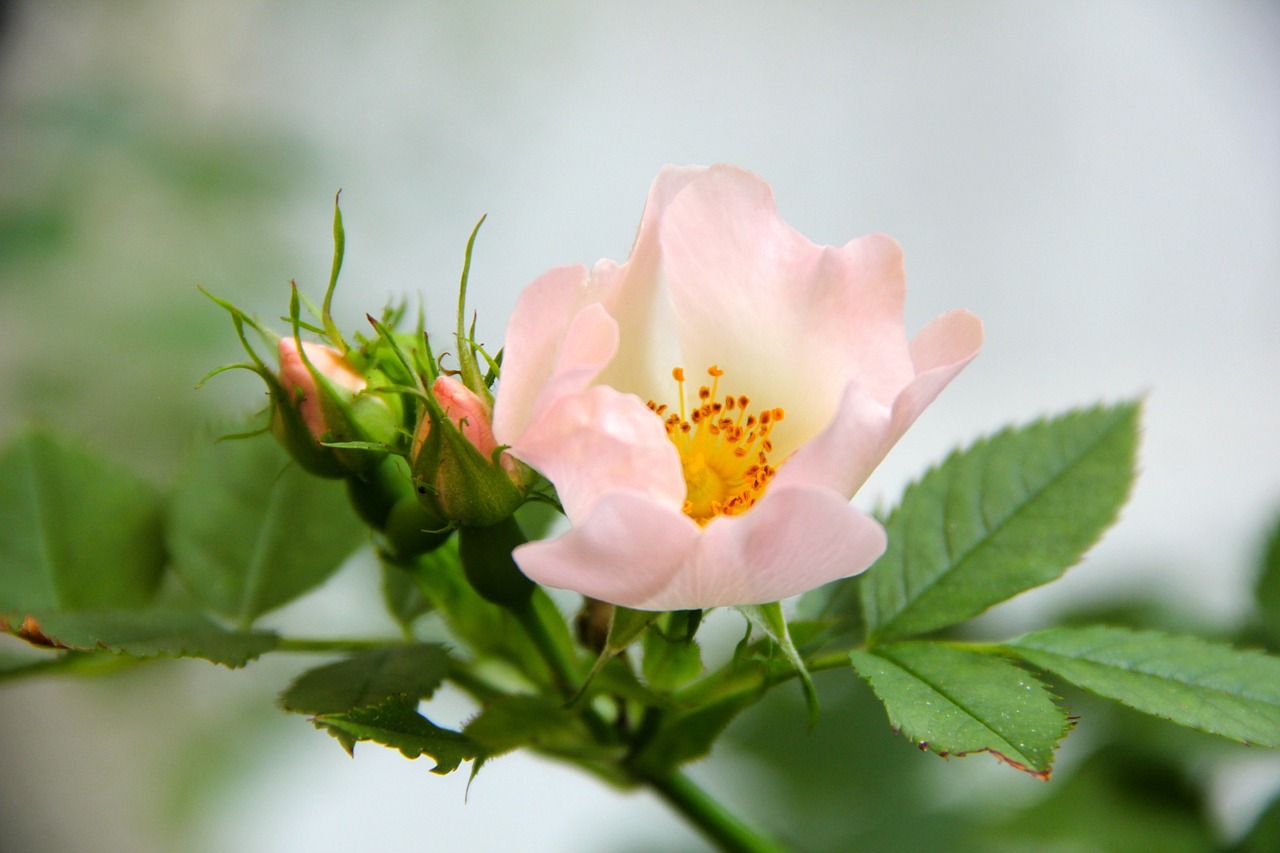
(1009, 513)
(398, 724)
(368, 678)
(1190, 681)
(141, 634)
(955, 702)
(250, 531)
(76, 532)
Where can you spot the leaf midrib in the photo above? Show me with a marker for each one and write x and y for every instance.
(1138, 670)
(44, 535)
(879, 633)
(258, 557)
(1013, 750)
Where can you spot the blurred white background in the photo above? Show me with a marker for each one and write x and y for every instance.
(1098, 181)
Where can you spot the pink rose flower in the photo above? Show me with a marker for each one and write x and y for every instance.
(707, 410)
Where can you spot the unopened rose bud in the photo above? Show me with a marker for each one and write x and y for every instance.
(453, 460)
(324, 400)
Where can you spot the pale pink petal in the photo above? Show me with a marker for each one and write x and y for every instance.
(598, 441)
(586, 346)
(625, 551)
(634, 294)
(940, 351)
(790, 320)
(535, 335)
(844, 454)
(794, 540)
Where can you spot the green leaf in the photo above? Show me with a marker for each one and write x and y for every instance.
(368, 678)
(250, 531)
(955, 702)
(1009, 513)
(142, 634)
(1195, 683)
(767, 618)
(1267, 591)
(399, 725)
(76, 532)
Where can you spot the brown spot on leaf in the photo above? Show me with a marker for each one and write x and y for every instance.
(31, 632)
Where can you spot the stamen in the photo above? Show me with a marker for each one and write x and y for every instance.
(725, 458)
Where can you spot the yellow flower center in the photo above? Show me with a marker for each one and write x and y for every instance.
(724, 449)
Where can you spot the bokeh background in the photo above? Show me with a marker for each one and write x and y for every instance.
(1099, 181)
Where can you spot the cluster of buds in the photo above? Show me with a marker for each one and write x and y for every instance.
(413, 442)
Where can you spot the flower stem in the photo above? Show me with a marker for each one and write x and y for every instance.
(565, 669)
(715, 822)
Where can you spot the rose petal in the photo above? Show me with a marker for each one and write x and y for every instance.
(940, 351)
(625, 551)
(598, 441)
(585, 347)
(535, 334)
(844, 454)
(794, 540)
(797, 320)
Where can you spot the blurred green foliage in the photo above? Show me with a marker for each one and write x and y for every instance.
(114, 205)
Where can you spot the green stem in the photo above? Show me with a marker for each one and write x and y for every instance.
(713, 820)
(564, 666)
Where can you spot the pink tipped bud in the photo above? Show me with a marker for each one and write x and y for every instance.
(321, 399)
(467, 412)
(455, 470)
(301, 387)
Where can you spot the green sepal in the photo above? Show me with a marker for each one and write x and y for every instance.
(457, 481)
(672, 658)
(684, 736)
(625, 625)
(471, 375)
(339, 250)
(768, 619)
